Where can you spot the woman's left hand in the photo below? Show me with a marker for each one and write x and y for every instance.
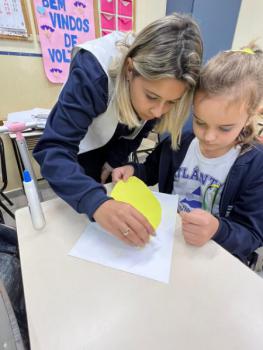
(198, 226)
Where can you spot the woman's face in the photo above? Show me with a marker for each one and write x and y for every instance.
(153, 98)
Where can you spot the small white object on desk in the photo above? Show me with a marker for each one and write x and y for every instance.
(38, 115)
(33, 200)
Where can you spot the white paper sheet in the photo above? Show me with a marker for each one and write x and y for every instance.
(38, 115)
(152, 261)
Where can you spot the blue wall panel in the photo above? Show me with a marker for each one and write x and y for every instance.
(217, 20)
(185, 6)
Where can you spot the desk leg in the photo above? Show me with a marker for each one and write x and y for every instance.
(18, 160)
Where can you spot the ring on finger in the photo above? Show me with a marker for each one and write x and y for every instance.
(126, 232)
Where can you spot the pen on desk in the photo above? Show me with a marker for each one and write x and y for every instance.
(36, 212)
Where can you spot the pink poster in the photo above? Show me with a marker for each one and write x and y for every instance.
(62, 24)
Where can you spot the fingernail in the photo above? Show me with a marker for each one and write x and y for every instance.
(140, 246)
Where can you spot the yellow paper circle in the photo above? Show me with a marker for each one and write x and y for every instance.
(136, 193)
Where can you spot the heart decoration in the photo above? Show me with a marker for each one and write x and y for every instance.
(41, 9)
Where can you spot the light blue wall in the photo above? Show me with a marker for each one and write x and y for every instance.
(217, 20)
(183, 6)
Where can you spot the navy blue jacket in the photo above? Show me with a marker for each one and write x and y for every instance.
(83, 98)
(241, 204)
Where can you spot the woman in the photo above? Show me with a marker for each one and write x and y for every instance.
(118, 89)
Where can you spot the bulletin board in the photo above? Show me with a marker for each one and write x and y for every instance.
(115, 15)
(14, 20)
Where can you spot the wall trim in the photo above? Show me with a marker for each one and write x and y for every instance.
(13, 53)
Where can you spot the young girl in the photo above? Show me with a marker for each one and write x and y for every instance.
(218, 171)
(106, 108)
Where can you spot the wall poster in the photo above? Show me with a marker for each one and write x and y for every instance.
(62, 24)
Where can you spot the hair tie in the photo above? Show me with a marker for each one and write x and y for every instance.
(245, 50)
(248, 50)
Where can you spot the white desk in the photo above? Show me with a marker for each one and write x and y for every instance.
(213, 302)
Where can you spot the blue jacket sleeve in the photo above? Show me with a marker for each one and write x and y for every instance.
(241, 231)
(83, 98)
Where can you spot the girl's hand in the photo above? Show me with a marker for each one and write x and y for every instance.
(124, 222)
(122, 173)
(199, 226)
(105, 172)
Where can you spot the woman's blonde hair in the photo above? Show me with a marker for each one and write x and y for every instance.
(170, 47)
(238, 75)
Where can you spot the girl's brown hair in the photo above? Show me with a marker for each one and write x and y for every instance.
(237, 74)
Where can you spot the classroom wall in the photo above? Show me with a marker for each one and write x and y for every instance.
(249, 24)
(23, 77)
(23, 84)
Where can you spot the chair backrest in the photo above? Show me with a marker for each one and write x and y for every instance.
(3, 166)
(8, 240)
(146, 147)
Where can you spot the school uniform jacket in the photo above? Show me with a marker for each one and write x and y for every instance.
(241, 205)
(82, 120)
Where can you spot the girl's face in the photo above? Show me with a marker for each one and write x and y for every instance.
(217, 123)
(153, 98)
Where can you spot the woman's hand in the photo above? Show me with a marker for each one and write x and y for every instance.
(122, 173)
(198, 226)
(124, 222)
